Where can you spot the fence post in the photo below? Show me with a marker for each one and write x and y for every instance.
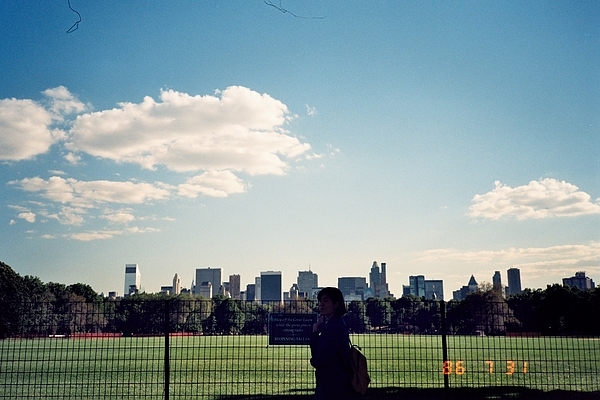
(444, 347)
(167, 357)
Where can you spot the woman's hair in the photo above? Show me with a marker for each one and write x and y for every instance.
(336, 296)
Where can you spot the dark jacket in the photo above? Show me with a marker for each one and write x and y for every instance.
(330, 350)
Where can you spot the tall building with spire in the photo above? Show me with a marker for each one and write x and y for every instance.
(176, 284)
(462, 293)
(375, 279)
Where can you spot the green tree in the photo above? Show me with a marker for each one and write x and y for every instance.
(229, 318)
(525, 306)
(483, 311)
(356, 318)
(379, 312)
(85, 291)
(559, 310)
(12, 290)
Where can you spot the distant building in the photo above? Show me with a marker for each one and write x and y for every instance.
(579, 281)
(250, 292)
(234, 286)
(176, 285)
(378, 281)
(307, 281)
(421, 287)
(497, 282)
(133, 279)
(293, 293)
(270, 286)
(375, 279)
(353, 288)
(257, 288)
(434, 289)
(204, 289)
(166, 289)
(462, 293)
(514, 281)
(212, 275)
(416, 285)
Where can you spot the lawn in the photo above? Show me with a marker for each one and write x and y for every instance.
(209, 367)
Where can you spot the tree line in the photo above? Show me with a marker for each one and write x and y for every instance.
(31, 308)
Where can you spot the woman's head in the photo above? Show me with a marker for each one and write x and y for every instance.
(335, 296)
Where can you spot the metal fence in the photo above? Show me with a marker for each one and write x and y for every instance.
(220, 349)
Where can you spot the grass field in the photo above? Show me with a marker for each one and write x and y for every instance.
(211, 367)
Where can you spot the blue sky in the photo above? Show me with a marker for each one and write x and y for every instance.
(443, 138)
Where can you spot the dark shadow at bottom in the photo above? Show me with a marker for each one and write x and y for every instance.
(487, 393)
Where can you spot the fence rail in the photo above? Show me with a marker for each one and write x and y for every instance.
(216, 349)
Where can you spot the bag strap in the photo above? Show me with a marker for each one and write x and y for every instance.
(350, 341)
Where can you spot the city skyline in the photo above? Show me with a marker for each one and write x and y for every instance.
(447, 139)
(417, 284)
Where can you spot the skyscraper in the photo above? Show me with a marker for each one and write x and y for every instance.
(497, 282)
(250, 292)
(133, 279)
(384, 291)
(353, 288)
(417, 285)
(176, 285)
(434, 289)
(212, 275)
(204, 289)
(514, 281)
(257, 287)
(234, 286)
(375, 279)
(579, 281)
(270, 286)
(307, 281)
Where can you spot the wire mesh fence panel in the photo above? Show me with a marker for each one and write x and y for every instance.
(231, 354)
(63, 353)
(191, 348)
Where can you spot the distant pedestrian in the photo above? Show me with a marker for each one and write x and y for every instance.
(330, 348)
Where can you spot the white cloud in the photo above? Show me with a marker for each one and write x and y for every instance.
(539, 199)
(89, 236)
(27, 216)
(86, 193)
(212, 183)
(237, 129)
(62, 102)
(26, 125)
(68, 215)
(108, 234)
(542, 264)
(547, 255)
(216, 137)
(119, 217)
(24, 129)
(72, 158)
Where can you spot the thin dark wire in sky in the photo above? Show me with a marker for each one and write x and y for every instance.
(285, 11)
(75, 26)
